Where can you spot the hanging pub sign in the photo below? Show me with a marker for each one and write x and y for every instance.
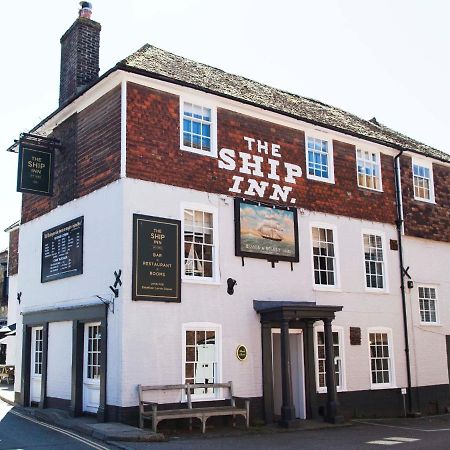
(36, 166)
(62, 251)
(263, 231)
(156, 259)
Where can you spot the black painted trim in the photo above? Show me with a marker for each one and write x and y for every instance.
(76, 400)
(82, 313)
(43, 401)
(26, 365)
(102, 410)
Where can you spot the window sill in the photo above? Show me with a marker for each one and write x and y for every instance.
(371, 189)
(424, 200)
(430, 324)
(197, 151)
(319, 288)
(201, 281)
(374, 387)
(376, 291)
(324, 391)
(323, 180)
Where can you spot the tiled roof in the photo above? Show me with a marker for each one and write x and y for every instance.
(161, 64)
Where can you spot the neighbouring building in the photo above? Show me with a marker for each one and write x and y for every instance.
(258, 236)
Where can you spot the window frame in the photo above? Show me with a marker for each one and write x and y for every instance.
(215, 279)
(203, 326)
(422, 162)
(392, 383)
(337, 278)
(199, 101)
(380, 178)
(340, 331)
(322, 137)
(436, 304)
(385, 288)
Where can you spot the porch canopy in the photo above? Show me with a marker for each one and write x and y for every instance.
(291, 314)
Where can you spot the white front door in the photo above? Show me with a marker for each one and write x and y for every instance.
(91, 367)
(36, 364)
(297, 371)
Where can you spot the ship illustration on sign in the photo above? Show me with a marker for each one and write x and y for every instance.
(271, 229)
(266, 231)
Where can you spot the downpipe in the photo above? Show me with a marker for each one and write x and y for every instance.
(399, 224)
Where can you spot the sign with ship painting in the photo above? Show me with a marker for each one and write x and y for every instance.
(266, 232)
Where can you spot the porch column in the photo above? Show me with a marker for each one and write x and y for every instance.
(266, 337)
(287, 407)
(332, 414)
(310, 372)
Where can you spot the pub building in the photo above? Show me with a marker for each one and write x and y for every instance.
(186, 225)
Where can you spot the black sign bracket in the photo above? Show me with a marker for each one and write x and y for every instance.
(108, 303)
(35, 140)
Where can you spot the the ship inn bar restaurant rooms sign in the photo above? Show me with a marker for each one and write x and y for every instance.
(62, 251)
(36, 168)
(267, 232)
(156, 259)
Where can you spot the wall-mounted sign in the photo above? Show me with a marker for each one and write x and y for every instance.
(62, 251)
(241, 352)
(266, 232)
(156, 259)
(36, 168)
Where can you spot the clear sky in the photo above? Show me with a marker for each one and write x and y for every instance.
(389, 59)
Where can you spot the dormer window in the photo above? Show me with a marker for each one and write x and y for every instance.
(198, 128)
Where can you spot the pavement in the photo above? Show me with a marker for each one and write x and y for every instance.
(107, 432)
(115, 433)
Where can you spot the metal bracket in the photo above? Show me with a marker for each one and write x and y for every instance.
(405, 272)
(19, 297)
(118, 282)
(108, 303)
(36, 141)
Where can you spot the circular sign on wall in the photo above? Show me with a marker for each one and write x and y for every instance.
(241, 352)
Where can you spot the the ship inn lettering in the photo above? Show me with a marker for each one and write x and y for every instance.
(156, 259)
(266, 232)
(278, 179)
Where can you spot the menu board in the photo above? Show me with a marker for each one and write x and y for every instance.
(156, 259)
(62, 251)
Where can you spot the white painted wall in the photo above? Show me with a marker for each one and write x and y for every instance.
(152, 346)
(59, 365)
(102, 255)
(145, 338)
(429, 263)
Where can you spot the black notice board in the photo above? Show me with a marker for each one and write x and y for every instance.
(156, 259)
(35, 170)
(62, 251)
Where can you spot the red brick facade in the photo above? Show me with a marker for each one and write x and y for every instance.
(153, 154)
(422, 219)
(13, 253)
(89, 158)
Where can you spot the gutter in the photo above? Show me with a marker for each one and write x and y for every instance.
(399, 223)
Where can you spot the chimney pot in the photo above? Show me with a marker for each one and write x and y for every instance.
(86, 10)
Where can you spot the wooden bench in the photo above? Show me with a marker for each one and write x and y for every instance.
(188, 410)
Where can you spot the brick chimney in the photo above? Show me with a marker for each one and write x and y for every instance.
(80, 47)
